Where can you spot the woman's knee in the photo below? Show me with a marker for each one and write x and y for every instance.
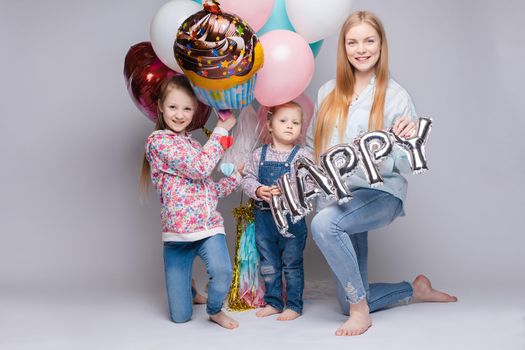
(322, 228)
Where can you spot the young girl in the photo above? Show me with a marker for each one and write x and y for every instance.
(181, 173)
(362, 98)
(277, 253)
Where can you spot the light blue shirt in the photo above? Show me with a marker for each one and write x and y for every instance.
(397, 103)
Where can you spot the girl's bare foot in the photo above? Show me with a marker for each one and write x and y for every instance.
(423, 292)
(288, 315)
(358, 322)
(224, 320)
(199, 299)
(266, 311)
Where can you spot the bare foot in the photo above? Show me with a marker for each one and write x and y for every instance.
(423, 292)
(199, 299)
(224, 320)
(266, 311)
(358, 322)
(288, 315)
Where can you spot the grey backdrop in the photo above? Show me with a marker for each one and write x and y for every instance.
(72, 143)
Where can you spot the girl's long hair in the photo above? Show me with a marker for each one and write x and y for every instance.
(334, 108)
(175, 82)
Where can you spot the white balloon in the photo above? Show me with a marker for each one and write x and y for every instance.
(164, 27)
(315, 20)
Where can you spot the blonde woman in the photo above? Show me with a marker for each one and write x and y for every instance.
(362, 98)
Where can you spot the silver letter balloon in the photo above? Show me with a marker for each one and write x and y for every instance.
(339, 162)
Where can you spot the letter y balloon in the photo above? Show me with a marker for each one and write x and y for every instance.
(415, 146)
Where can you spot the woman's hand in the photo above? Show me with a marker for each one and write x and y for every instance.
(264, 192)
(404, 127)
(227, 124)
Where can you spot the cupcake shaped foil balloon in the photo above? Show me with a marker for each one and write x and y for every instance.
(220, 55)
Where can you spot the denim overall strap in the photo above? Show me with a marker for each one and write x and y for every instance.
(292, 154)
(271, 171)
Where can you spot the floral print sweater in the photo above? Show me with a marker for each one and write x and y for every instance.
(181, 172)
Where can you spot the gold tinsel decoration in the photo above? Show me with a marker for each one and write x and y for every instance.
(243, 215)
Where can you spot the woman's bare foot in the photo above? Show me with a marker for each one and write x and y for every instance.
(288, 315)
(266, 311)
(224, 320)
(423, 292)
(199, 299)
(358, 322)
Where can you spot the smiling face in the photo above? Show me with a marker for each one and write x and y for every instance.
(178, 109)
(285, 126)
(363, 47)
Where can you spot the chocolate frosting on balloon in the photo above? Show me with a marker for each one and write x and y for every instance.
(216, 45)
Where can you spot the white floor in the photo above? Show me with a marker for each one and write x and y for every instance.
(125, 321)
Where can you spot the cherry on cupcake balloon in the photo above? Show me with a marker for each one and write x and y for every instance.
(255, 12)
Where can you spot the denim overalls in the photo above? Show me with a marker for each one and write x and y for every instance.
(278, 253)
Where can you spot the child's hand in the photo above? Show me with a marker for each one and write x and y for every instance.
(404, 127)
(227, 124)
(241, 170)
(275, 191)
(264, 192)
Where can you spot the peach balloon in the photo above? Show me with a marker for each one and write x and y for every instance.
(288, 67)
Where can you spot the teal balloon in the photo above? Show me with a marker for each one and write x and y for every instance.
(278, 19)
(316, 47)
(198, 1)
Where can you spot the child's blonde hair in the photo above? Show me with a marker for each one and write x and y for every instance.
(176, 82)
(266, 136)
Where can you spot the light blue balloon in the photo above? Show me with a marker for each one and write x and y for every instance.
(278, 19)
(316, 47)
(198, 1)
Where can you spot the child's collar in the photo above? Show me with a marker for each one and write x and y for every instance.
(185, 134)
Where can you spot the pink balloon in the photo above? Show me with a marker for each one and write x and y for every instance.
(288, 67)
(254, 12)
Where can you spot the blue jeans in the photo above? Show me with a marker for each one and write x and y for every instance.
(178, 263)
(341, 233)
(280, 254)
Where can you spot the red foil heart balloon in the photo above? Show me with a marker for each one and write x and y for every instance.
(226, 141)
(144, 73)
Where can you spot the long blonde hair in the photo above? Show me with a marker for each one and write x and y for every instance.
(334, 107)
(175, 82)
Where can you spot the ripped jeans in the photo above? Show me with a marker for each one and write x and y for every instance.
(279, 254)
(341, 233)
